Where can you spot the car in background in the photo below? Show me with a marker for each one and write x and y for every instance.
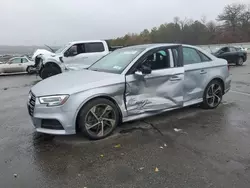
(73, 56)
(232, 55)
(128, 84)
(17, 65)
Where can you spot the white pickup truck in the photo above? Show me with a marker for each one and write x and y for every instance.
(73, 56)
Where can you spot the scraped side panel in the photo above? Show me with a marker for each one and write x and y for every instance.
(158, 91)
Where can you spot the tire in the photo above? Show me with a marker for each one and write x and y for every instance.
(212, 97)
(240, 61)
(29, 70)
(49, 71)
(94, 119)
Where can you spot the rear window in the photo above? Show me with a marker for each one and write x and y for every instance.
(94, 47)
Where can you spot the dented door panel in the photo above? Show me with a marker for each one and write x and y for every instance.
(160, 90)
(193, 88)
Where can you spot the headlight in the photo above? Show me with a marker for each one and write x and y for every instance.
(55, 100)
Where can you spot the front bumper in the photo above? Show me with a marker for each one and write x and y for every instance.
(52, 120)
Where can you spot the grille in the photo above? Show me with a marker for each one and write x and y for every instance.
(32, 102)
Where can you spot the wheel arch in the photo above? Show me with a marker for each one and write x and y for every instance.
(219, 79)
(244, 57)
(28, 67)
(104, 96)
(51, 63)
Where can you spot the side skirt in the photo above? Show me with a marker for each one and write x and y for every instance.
(149, 114)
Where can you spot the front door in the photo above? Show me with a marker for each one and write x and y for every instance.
(83, 54)
(161, 89)
(25, 64)
(226, 54)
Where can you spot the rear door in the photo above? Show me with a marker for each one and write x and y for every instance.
(233, 55)
(160, 90)
(196, 69)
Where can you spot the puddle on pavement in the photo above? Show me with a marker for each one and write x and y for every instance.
(21, 86)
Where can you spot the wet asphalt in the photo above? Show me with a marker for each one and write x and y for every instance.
(190, 147)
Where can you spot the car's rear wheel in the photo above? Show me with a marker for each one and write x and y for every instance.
(213, 94)
(240, 61)
(98, 118)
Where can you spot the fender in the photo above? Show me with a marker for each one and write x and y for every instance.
(48, 59)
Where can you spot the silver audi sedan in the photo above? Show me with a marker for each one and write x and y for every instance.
(128, 84)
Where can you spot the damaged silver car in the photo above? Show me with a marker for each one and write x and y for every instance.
(128, 84)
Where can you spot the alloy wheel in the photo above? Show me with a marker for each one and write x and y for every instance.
(100, 120)
(214, 95)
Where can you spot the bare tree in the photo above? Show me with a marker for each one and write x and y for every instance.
(232, 14)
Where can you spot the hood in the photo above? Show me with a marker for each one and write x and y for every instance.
(75, 81)
(41, 52)
(82, 63)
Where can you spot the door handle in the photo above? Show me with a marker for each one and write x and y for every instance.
(203, 72)
(175, 78)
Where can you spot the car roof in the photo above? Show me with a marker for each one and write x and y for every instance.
(24, 56)
(155, 45)
(85, 41)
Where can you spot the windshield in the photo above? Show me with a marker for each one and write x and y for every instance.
(60, 50)
(117, 61)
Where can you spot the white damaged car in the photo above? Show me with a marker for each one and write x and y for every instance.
(73, 56)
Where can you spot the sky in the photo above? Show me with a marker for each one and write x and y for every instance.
(56, 22)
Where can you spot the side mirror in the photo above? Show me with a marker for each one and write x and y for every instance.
(66, 54)
(144, 70)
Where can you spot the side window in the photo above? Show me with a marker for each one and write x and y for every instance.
(190, 56)
(226, 49)
(158, 60)
(75, 50)
(232, 49)
(94, 47)
(204, 58)
(24, 60)
(16, 61)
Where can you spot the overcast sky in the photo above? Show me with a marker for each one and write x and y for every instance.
(55, 22)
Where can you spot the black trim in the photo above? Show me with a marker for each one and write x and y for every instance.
(53, 124)
(180, 62)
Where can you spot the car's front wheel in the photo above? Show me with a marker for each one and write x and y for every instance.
(48, 71)
(213, 94)
(29, 70)
(98, 118)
